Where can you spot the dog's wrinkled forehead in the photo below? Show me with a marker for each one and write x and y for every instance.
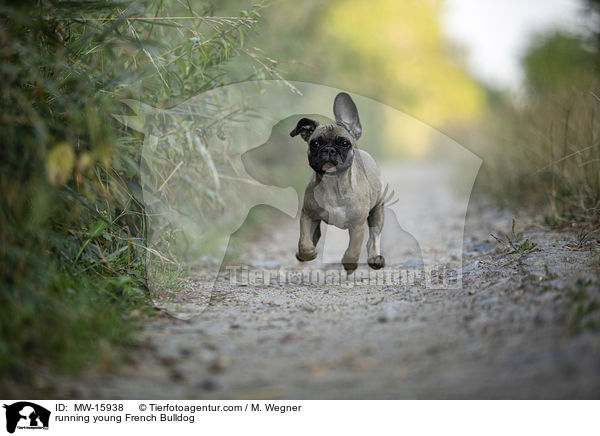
(330, 132)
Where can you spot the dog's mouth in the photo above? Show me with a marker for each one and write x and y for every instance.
(328, 167)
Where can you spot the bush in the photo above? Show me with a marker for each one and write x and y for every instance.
(71, 227)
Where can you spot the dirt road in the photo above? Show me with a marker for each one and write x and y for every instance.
(521, 326)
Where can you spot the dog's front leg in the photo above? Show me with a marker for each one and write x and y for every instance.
(375, 222)
(350, 259)
(306, 247)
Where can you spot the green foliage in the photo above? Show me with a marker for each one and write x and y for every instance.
(556, 61)
(72, 229)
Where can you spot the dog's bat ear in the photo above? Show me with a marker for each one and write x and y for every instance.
(346, 114)
(305, 128)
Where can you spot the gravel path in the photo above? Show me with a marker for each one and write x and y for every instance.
(521, 326)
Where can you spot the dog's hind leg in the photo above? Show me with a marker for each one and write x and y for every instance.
(375, 222)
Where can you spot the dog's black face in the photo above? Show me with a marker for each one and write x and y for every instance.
(331, 146)
(330, 149)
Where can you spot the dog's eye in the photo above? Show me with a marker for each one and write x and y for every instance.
(314, 143)
(345, 143)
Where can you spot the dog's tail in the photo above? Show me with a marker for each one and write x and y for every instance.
(388, 197)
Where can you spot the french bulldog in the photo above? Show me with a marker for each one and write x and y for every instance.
(345, 189)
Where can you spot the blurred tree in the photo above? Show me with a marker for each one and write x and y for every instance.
(391, 51)
(387, 50)
(556, 61)
(395, 52)
(594, 10)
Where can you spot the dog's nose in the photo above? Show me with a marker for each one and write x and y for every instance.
(328, 152)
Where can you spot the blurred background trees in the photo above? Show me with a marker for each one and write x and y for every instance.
(557, 62)
(391, 51)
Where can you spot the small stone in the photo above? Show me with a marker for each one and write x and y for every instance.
(377, 301)
(209, 384)
(176, 374)
(386, 315)
(470, 267)
(308, 308)
(210, 346)
(220, 364)
(290, 337)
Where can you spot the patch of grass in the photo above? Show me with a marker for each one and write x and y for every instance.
(586, 235)
(583, 307)
(515, 242)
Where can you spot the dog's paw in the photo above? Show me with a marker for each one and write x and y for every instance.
(350, 267)
(306, 256)
(376, 262)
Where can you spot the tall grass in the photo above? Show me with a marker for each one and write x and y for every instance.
(72, 227)
(543, 153)
(545, 156)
